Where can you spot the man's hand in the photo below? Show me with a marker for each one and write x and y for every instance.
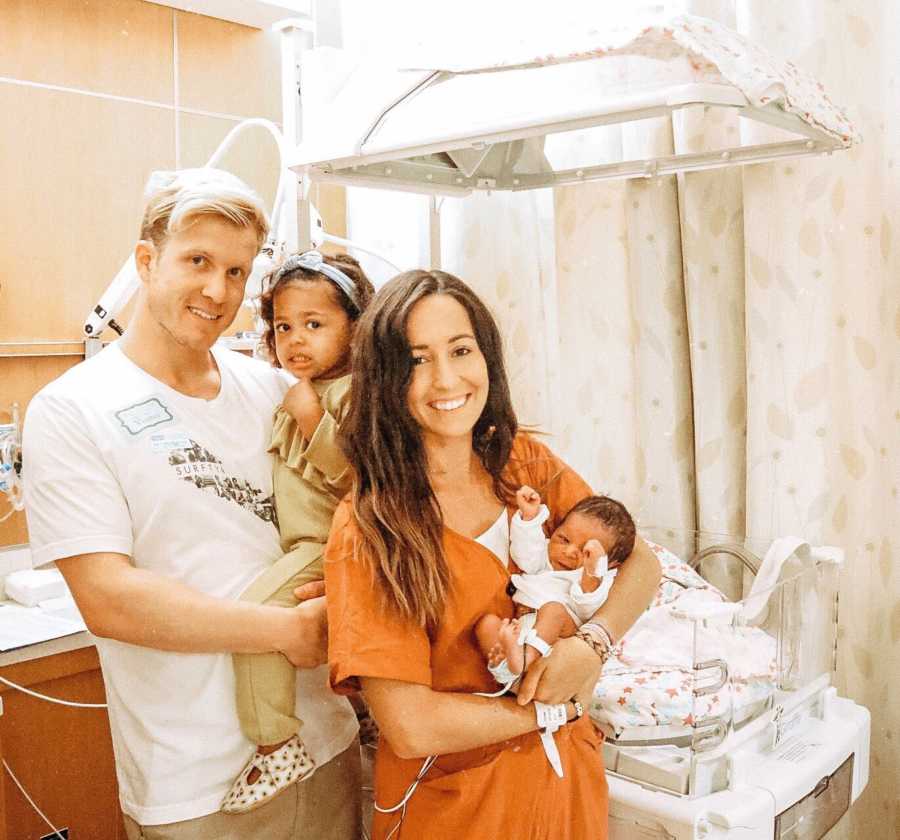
(313, 589)
(303, 404)
(306, 634)
(529, 501)
(571, 670)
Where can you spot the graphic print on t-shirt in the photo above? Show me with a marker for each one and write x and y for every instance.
(205, 471)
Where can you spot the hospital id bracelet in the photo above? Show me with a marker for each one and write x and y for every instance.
(550, 716)
(549, 719)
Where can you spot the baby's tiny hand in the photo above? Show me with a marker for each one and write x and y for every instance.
(529, 502)
(592, 557)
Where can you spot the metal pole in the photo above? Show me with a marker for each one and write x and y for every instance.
(297, 35)
(434, 231)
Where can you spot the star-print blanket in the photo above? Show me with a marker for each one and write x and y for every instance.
(649, 679)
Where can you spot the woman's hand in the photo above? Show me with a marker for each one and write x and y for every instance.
(571, 670)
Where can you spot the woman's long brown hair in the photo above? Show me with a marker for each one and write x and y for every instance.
(399, 516)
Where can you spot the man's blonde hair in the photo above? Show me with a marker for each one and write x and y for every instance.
(173, 200)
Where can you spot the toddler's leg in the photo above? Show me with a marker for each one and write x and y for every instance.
(266, 694)
(266, 682)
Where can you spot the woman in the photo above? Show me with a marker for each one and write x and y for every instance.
(420, 553)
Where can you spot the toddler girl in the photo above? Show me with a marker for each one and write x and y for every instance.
(310, 309)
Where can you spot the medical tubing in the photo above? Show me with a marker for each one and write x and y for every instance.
(9, 451)
(427, 765)
(52, 699)
(349, 243)
(225, 145)
(31, 802)
(429, 761)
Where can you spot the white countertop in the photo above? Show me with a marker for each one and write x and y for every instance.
(64, 644)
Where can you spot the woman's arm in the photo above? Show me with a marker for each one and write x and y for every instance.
(418, 721)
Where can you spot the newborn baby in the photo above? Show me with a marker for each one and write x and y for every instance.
(565, 579)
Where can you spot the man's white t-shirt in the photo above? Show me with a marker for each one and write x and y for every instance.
(116, 461)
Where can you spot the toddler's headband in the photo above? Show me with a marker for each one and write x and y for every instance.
(312, 261)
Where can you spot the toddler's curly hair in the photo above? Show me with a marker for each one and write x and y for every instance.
(276, 279)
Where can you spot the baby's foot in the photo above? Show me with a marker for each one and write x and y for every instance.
(512, 650)
(496, 655)
(594, 558)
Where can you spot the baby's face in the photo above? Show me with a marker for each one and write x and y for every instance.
(567, 541)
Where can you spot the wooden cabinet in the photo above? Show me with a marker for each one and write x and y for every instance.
(61, 755)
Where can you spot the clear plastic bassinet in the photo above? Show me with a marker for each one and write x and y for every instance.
(737, 648)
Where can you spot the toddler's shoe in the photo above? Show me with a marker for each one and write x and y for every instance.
(276, 772)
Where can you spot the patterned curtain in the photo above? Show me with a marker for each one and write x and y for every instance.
(720, 350)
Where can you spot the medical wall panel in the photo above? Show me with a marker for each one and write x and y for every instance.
(119, 47)
(228, 68)
(73, 173)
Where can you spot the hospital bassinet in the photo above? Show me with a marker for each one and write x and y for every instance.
(717, 707)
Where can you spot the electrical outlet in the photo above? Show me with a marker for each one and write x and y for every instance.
(62, 834)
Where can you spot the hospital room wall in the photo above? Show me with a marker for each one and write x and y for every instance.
(94, 96)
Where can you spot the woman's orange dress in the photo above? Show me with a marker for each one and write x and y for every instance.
(502, 790)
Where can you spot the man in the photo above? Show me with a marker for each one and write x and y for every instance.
(131, 460)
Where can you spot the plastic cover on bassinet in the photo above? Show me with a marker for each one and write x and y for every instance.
(714, 650)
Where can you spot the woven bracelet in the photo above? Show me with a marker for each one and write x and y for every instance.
(597, 629)
(600, 647)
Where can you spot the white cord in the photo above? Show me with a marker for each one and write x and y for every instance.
(501, 691)
(401, 805)
(53, 699)
(31, 802)
(427, 765)
(349, 243)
